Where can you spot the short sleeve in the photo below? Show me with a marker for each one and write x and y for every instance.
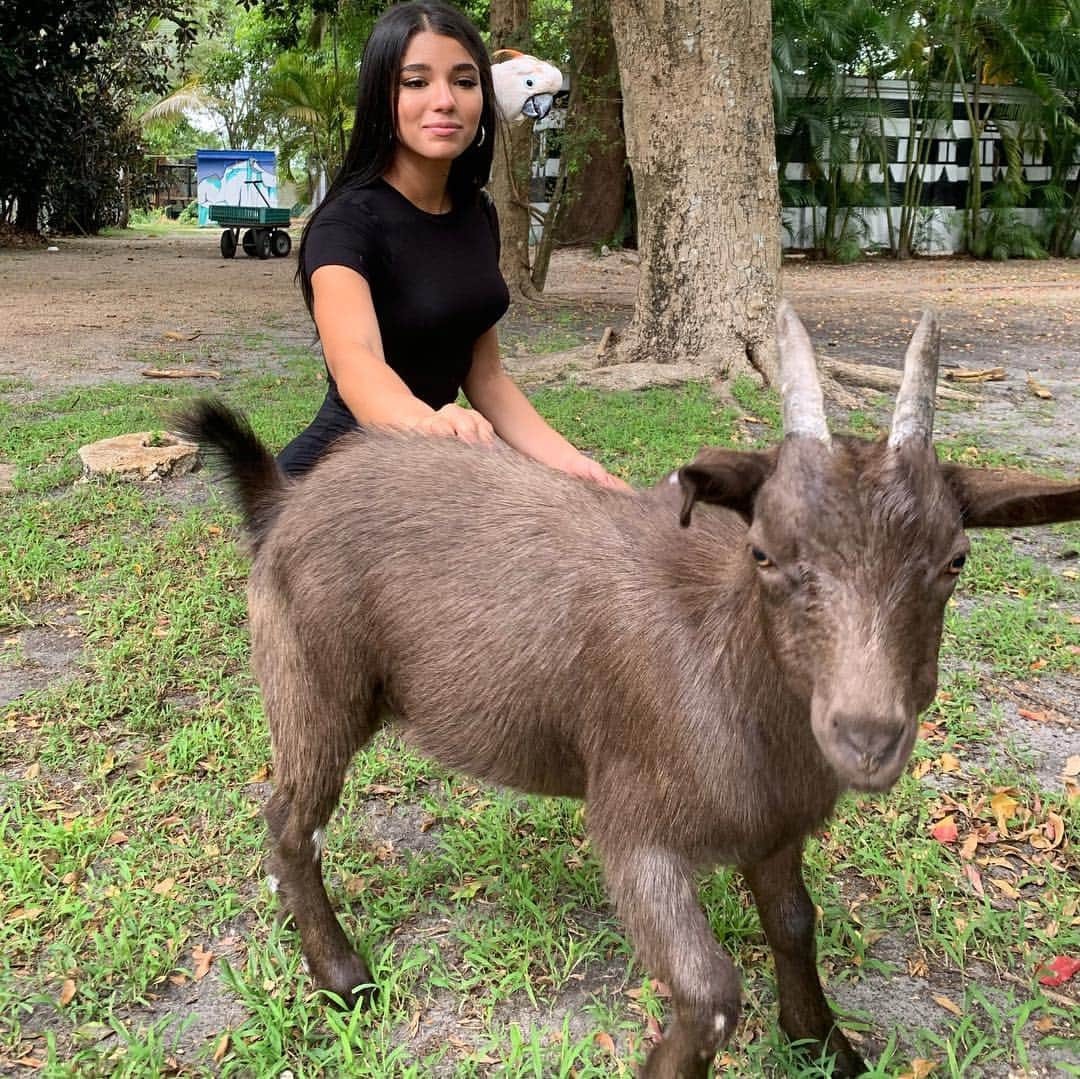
(492, 216)
(343, 234)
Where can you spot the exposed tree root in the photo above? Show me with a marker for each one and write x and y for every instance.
(868, 376)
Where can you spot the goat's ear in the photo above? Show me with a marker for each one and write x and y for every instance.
(1003, 497)
(728, 478)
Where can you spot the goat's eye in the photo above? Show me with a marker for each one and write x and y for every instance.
(528, 82)
(760, 557)
(957, 564)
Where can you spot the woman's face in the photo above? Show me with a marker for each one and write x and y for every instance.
(439, 99)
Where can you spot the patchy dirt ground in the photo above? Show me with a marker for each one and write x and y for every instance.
(87, 311)
(104, 309)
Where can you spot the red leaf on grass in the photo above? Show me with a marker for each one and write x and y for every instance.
(945, 830)
(1063, 968)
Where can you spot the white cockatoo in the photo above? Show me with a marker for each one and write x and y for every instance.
(524, 86)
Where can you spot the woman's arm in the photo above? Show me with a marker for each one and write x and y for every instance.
(492, 392)
(372, 390)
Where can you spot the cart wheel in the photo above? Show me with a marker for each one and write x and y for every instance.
(228, 244)
(249, 242)
(281, 242)
(262, 243)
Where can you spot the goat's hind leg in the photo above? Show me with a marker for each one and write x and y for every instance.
(313, 744)
(787, 916)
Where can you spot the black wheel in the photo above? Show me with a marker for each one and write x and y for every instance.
(262, 243)
(249, 242)
(281, 242)
(228, 244)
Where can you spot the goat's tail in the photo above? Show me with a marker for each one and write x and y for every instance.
(249, 466)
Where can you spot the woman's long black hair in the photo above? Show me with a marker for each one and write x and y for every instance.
(371, 147)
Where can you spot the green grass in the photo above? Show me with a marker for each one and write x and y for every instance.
(131, 845)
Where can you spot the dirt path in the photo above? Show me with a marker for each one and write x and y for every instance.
(96, 308)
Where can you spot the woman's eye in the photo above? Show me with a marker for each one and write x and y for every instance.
(760, 557)
(957, 564)
(467, 83)
(413, 84)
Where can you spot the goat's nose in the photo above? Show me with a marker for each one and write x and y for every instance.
(868, 744)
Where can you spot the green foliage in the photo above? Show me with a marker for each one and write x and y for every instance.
(960, 46)
(69, 77)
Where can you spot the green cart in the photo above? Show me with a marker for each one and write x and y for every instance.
(263, 229)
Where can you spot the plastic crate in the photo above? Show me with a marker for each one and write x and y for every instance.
(249, 215)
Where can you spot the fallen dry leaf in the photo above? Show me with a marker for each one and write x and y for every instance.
(948, 763)
(974, 879)
(1037, 717)
(920, 1069)
(23, 914)
(67, 992)
(1003, 806)
(603, 1039)
(33, 771)
(221, 1048)
(1005, 888)
(947, 1004)
(203, 959)
(1072, 766)
(163, 887)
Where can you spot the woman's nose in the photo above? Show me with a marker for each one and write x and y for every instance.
(444, 98)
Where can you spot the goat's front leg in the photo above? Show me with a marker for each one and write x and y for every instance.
(787, 915)
(653, 890)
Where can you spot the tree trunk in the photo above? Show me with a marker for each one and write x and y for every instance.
(28, 210)
(510, 190)
(699, 131)
(509, 21)
(593, 145)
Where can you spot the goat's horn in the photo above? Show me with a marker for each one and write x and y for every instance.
(913, 416)
(800, 390)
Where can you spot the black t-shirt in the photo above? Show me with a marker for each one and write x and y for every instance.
(434, 279)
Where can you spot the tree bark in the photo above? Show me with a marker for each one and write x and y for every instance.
(699, 132)
(593, 144)
(509, 21)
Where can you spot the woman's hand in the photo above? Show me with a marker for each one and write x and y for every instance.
(588, 469)
(453, 421)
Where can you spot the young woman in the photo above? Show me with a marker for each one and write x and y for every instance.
(400, 263)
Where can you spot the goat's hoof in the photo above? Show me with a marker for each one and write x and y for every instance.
(845, 1061)
(848, 1063)
(347, 983)
(672, 1063)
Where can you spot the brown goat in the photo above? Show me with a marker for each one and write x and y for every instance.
(708, 689)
